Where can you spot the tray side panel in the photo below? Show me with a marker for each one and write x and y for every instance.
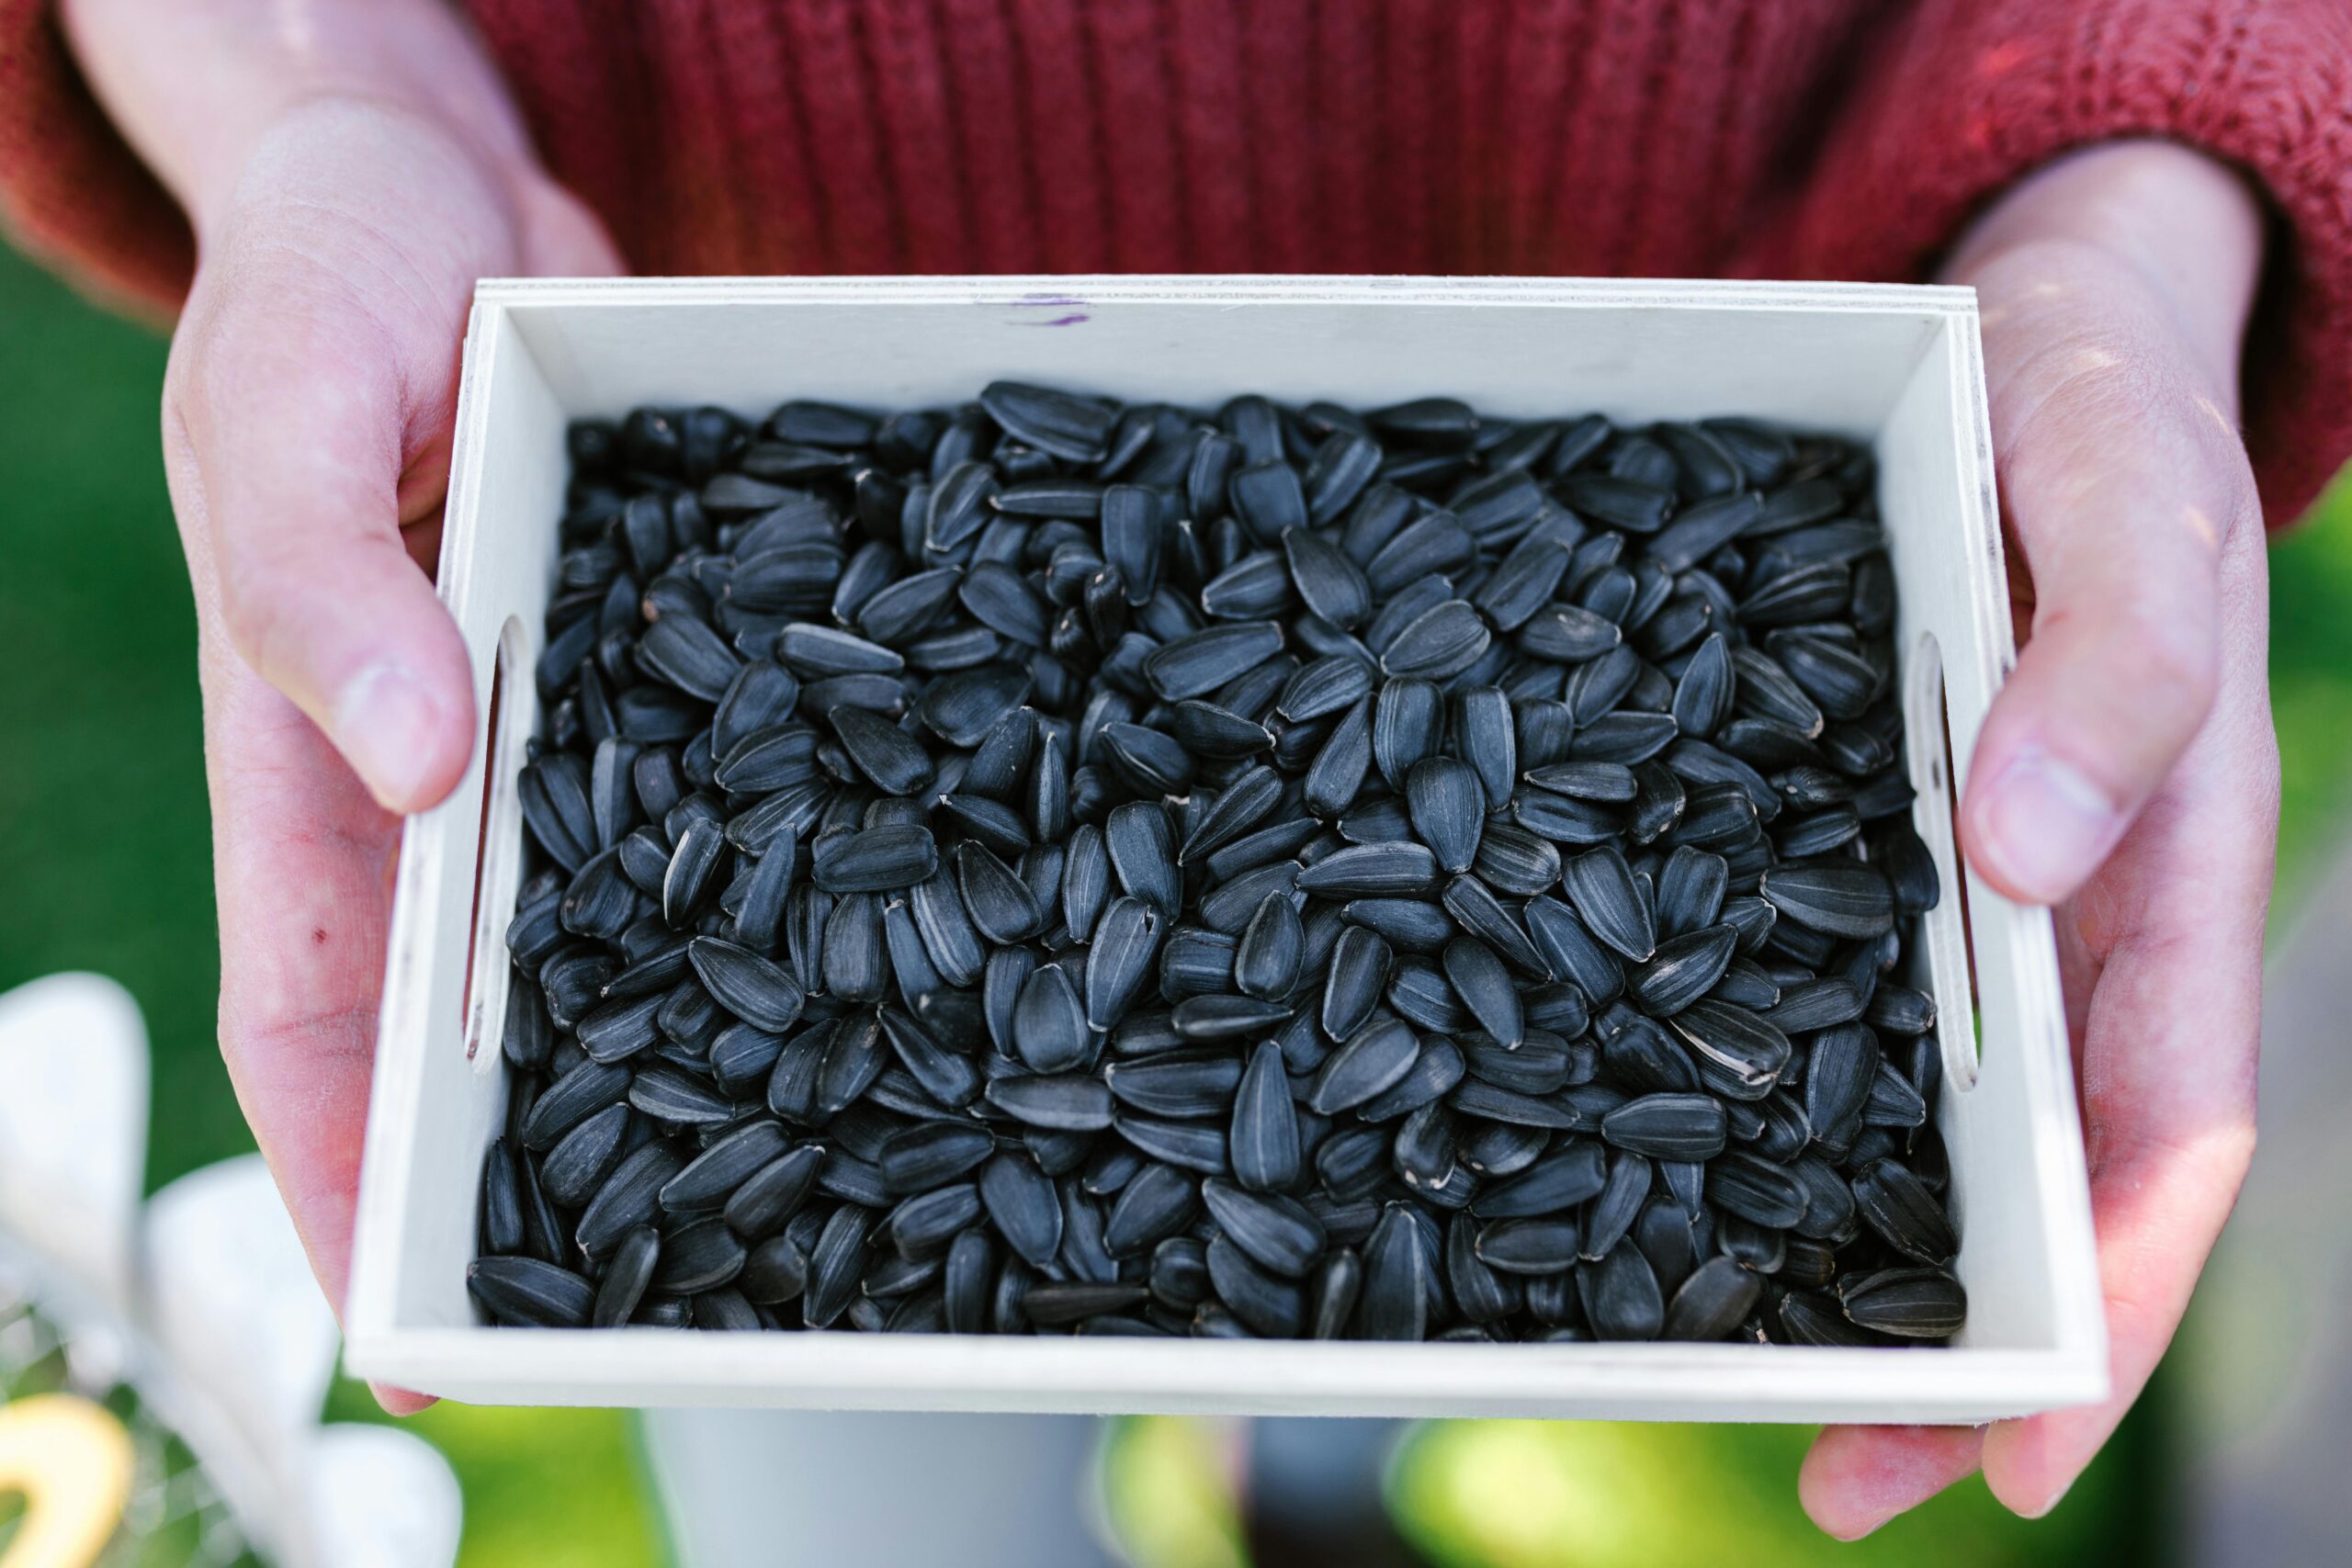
(433, 1111)
(1523, 355)
(2013, 1138)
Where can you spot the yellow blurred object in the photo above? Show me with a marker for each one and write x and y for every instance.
(1589, 1494)
(73, 1462)
(1171, 1501)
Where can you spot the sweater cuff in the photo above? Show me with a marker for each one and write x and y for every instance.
(72, 194)
(1962, 97)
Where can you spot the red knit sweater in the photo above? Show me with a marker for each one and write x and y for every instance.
(1789, 138)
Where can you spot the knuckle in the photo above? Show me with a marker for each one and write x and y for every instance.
(2172, 668)
(253, 609)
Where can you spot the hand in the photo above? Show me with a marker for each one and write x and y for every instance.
(307, 422)
(2127, 773)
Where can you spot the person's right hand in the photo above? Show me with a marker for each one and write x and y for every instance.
(306, 420)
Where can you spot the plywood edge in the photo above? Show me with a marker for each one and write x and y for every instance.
(1234, 289)
(394, 1123)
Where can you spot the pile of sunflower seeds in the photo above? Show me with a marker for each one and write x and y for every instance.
(1046, 865)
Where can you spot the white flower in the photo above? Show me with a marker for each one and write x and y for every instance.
(202, 1301)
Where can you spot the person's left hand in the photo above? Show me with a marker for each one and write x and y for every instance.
(2127, 773)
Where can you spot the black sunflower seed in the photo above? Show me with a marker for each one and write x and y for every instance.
(1712, 1302)
(1266, 957)
(1178, 1083)
(1448, 805)
(1739, 1052)
(1241, 806)
(1143, 854)
(1393, 1302)
(948, 1079)
(884, 752)
(1158, 1202)
(1755, 1188)
(1276, 1232)
(1063, 423)
(1227, 1018)
(1610, 1217)
(1369, 1063)
(877, 860)
(1264, 1302)
(627, 1274)
(1423, 1153)
(1912, 1304)
(1324, 685)
(1620, 1295)
(1668, 1126)
(1847, 900)
(1529, 1246)
(1475, 1097)
(1359, 871)
(1899, 1010)
(1486, 988)
(1195, 1145)
(1406, 719)
(1442, 642)
(1330, 583)
(1600, 885)
(688, 655)
(1898, 1206)
(1683, 969)
(1568, 634)
(1264, 1139)
(1338, 772)
(1207, 731)
(763, 1202)
(746, 985)
(630, 1196)
(1549, 1185)
(1431, 546)
(531, 1293)
(1201, 661)
(1049, 1028)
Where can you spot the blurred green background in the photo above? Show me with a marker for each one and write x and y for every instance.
(105, 855)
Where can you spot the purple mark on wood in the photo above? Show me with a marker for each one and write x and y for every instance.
(1050, 303)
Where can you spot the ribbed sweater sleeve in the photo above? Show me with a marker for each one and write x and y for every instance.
(1961, 97)
(72, 194)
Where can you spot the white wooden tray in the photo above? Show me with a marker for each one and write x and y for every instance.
(1898, 366)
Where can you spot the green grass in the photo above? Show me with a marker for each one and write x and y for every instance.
(106, 861)
(2310, 685)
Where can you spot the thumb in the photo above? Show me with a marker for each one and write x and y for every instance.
(288, 404)
(2121, 478)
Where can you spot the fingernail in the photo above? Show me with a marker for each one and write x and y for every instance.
(2046, 826)
(2052, 1502)
(387, 726)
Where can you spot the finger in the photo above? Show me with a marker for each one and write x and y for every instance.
(1857, 1478)
(400, 1401)
(290, 402)
(2122, 480)
(302, 858)
(2170, 1053)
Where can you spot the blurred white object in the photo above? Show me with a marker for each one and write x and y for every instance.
(73, 1127)
(202, 1301)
